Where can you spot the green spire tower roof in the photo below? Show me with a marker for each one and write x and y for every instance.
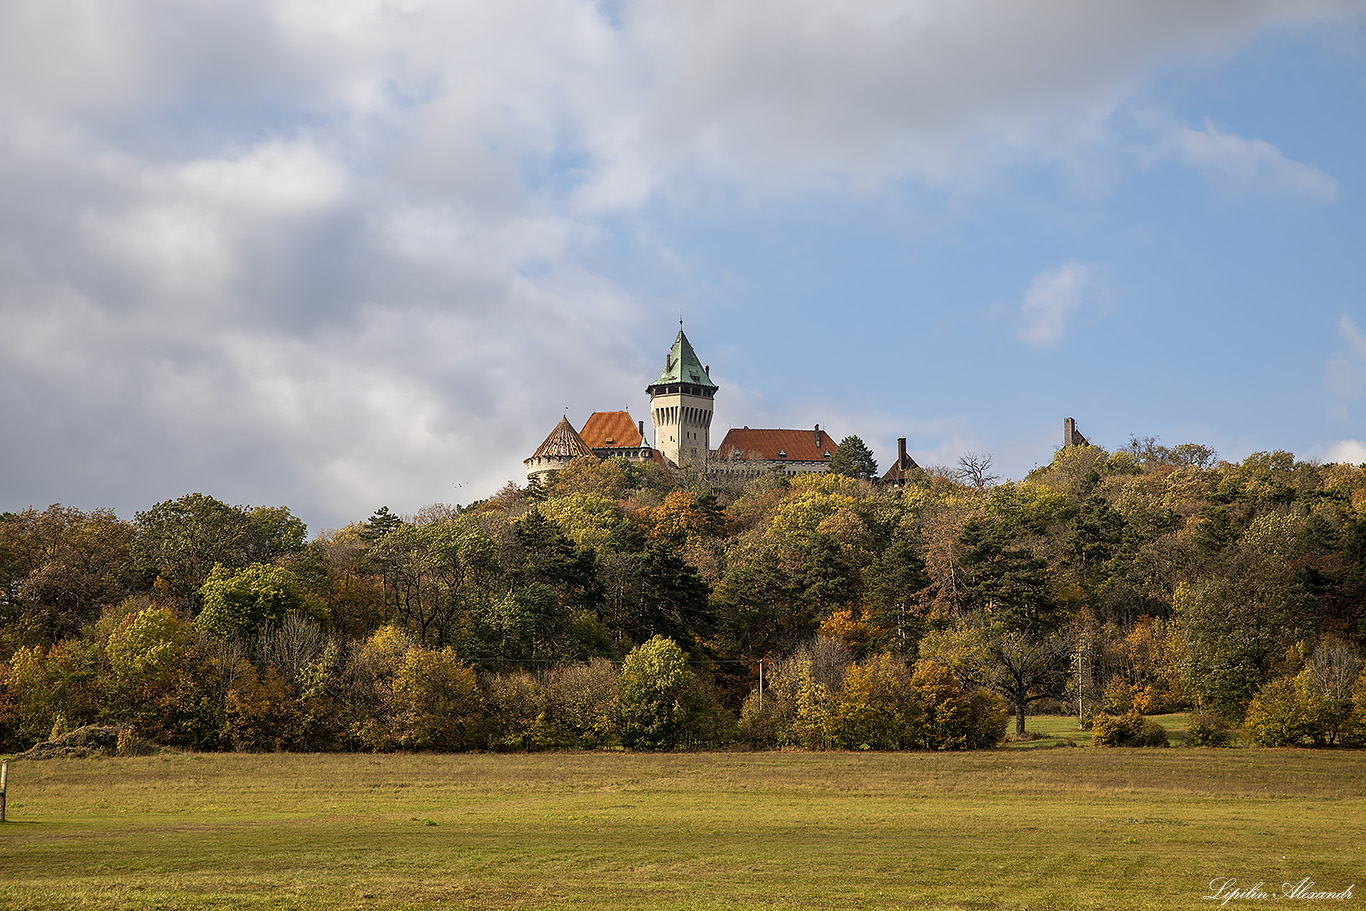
(682, 366)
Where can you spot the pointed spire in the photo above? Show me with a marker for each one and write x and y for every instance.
(682, 364)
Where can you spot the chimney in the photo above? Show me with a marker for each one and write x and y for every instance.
(1069, 431)
(641, 426)
(818, 434)
(901, 452)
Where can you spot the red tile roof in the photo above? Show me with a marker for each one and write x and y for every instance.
(611, 428)
(777, 445)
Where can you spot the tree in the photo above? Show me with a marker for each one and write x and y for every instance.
(758, 610)
(436, 703)
(853, 459)
(61, 684)
(407, 697)
(895, 581)
(159, 680)
(179, 542)
(58, 568)
(1022, 665)
(437, 578)
(380, 523)
(550, 557)
(975, 468)
(675, 598)
(246, 601)
(1005, 579)
(660, 708)
(1236, 623)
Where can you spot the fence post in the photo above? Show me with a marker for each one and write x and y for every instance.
(4, 774)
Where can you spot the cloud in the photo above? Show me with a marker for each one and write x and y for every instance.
(349, 259)
(1346, 370)
(1053, 299)
(1348, 452)
(1246, 164)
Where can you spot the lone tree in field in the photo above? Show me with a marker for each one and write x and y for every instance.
(853, 459)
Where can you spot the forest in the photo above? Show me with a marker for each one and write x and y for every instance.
(619, 605)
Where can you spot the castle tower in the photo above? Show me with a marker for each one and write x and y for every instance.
(562, 446)
(681, 406)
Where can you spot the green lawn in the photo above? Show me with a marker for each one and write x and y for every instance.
(1038, 828)
(1064, 731)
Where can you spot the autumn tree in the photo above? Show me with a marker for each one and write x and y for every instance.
(247, 600)
(975, 468)
(58, 568)
(1236, 624)
(662, 704)
(179, 542)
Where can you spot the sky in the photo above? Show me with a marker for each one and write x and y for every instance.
(359, 253)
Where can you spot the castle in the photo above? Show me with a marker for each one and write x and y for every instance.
(681, 404)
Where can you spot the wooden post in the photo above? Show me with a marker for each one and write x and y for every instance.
(4, 774)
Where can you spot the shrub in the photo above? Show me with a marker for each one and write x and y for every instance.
(261, 714)
(1128, 730)
(1121, 697)
(885, 706)
(1208, 731)
(876, 709)
(583, 705)
(800, 698)
(1279, 716)
(515, 706)
(986, 720)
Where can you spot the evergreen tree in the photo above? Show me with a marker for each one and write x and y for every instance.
(853, 459)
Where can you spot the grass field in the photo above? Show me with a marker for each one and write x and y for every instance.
(1010, 828)
(1064, 731)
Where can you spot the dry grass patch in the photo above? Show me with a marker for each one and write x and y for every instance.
(1065, 828)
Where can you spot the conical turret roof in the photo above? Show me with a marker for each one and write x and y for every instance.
(682, 366)
(564, 442)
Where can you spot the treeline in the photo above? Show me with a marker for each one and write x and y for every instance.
(620, 605)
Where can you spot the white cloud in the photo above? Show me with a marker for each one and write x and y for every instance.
(1247, 164)
(1346, 370)
(1348, 452)
(1053, 299)
(1356, 341)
